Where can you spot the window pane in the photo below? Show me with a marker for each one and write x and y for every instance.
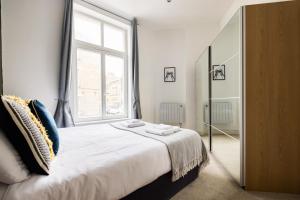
(115, 87)
(88, 84)
(87, 29)
(114, 38)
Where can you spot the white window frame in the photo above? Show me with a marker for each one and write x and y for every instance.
(125, 26)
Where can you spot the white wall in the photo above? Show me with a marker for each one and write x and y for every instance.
(178, 48)
(159, 49)
(31, 46)
(147, 53)
(170, 53)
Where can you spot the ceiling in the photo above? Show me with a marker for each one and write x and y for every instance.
(159, 14)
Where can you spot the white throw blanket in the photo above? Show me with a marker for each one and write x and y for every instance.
(186, 148)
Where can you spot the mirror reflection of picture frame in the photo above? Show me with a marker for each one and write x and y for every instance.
(219, 73)
(169, 74)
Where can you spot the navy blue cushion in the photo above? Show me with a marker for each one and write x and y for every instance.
(41, 112)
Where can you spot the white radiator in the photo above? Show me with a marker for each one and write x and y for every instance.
(172, 113)
(221, 113)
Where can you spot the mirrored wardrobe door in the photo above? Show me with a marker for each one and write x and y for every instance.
(202, 96)
(226, 96)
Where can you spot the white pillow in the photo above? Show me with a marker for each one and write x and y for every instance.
(12, 168)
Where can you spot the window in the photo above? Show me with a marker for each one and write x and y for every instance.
(100, 66)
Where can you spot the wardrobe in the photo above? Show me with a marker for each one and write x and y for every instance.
(248, 97)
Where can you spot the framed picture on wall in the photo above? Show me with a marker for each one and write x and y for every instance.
(169, 74)
(218, 72)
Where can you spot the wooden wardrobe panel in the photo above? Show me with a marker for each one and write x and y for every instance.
(273, 97)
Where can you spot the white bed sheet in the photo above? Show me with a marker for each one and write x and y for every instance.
(96, 162)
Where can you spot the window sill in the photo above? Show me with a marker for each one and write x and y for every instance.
(100, 122)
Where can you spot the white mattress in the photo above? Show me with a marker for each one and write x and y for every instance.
(95, 162)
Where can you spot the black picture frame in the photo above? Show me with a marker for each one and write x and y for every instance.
(219, 72)
(170, 74)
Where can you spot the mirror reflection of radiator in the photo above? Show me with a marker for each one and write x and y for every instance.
(221, 112)
(171, 113)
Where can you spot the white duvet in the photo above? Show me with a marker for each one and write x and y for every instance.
(95, 162)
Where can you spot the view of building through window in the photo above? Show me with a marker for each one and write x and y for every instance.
(101, 68)
(114, 70)
(89, 83)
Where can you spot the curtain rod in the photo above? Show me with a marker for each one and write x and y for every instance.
(107, 11)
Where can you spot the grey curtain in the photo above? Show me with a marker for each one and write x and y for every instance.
(136, 104)
(63, 115)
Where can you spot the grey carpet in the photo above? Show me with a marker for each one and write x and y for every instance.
(214, 183)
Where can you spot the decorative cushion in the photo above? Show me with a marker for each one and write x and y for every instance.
(26, 134)
(41, 112)
(12, 168)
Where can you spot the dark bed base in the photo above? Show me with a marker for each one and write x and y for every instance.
(163, 188)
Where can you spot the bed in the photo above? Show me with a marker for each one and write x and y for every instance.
(103, 162)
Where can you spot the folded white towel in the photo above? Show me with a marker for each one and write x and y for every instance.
(163, 132)
(164, 127)
(128, 124)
